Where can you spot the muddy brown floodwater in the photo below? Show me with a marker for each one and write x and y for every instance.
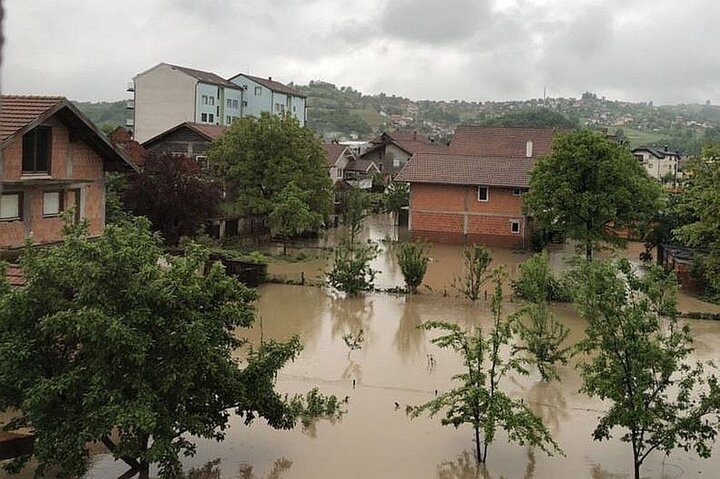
(375, 439)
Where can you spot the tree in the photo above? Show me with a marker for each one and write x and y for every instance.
(291, 215)
(638, 361)
(355, 205)
(476, 260)
(259, 157)
(413, 259)
(535, 118)
(699, 205)
(478, 399)
(351, 271)
(542, 336)
(396, 198)
(590, 187)
(113, 342)
(174, 194)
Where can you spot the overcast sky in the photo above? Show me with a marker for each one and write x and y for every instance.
(639, 50)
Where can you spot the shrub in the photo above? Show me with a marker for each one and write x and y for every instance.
(413, 259)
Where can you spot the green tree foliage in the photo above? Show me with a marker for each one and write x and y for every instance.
(700, 205)
(351, 272)
(291, 214)
(536, 118)
(115, 211)
(637, 361)
(479, 399)
(259, 157)
(413, 259)
(588, 187)
(542, 336)
(476, 259)
(113, 342)
(174, 194)
(356, 208)
(396, 197)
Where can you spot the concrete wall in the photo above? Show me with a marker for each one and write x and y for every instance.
(208, 100)
(164, 97)
(453, 213)
(70, 160)
(261, 99)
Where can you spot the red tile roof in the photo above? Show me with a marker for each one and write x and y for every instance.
(361, 165)
(122, 138)
(17, 111)
(272, 85)
(466, 170)
(501, 141)
(205, 77)
(333, 152)
(209, 132)
(410, 141)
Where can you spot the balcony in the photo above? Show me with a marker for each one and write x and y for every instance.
(130, 104)
(130, 122)
(131, 86)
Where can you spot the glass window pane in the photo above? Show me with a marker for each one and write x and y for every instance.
(10, 206)
(51, 203)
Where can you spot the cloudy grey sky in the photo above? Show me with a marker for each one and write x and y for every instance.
(639, 50)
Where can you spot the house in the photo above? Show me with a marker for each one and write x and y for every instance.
(54, 159)
(344, 165)
(359, 173)
(390, 151)
(268, 95)
(474, 190)
(659, 163)
(186, 139)
(122, 139)
(338, 156)
(167, 95)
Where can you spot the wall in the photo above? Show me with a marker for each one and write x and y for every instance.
(447, 212)
(70, 160)
(214, 109)
(181, 142)
(265, 102)
(164, 98)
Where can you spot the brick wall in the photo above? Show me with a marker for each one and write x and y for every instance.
(70, 160)
(449, 213)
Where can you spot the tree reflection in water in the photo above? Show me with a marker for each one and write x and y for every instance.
(279, 467)
(409, 339)
(466, 467)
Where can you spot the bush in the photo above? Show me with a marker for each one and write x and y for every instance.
(476, 260)
(351, 271)
(413, 259)
(538, 284)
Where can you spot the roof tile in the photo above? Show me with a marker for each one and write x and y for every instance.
(501, 141)
(17, 111)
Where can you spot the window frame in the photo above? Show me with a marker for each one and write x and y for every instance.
(487, 193)
(203, 117)
(20, 201)
(517, 192)
(32, 135)
(61, 203)
(202, 161)
(514, 223)
(211, 118)
(258, 91)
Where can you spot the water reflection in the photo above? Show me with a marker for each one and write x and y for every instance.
(410, 340)
(279, 467)
(548, 401)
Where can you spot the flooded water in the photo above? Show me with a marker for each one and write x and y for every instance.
(375, 439)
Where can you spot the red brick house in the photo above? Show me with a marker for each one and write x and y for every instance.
(53, 158)
(390, 151)
(473, 192)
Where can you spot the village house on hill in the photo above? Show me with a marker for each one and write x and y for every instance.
(54, 159)
(344, 166)
(390, 151)
(660, 162)
(473, 191)
(167, 95)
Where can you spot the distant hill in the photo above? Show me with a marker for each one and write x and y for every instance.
(345, 113)
(106, 115)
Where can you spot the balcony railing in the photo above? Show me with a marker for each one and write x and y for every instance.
(130, 104)
(131, 86)
(130, 122)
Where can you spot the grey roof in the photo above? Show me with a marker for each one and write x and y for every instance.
(272, 85)
(205, 77)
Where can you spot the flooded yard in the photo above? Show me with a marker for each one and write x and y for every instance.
(397, 366)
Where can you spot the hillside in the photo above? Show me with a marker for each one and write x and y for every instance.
(345, 113)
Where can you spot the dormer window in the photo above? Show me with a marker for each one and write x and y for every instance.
(36, 150)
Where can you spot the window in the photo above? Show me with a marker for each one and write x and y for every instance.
(340, 173)
(517, 192)
(228, 120)
(483, 193)
(212, 101)
(397, 163)
(203, 162)
(11, 206)
(204, 99)
(228, 103)
(258, 90)
(277, 106)
(203, 117)
(244, 103)
(52, 203)
(211, 118)
(235, 103)
(294, 109)
(36, 150)
(515, 227)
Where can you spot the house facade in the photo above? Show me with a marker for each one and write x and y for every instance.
(659, 163)
(267, 95)
(346, 167)
(186, 139)
(53, 159)
(474, 191)
(167, 95)
(391, 151)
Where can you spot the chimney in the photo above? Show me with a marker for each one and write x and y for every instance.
(529, 149)
(270, 78)
(415, 135)
(666, 148)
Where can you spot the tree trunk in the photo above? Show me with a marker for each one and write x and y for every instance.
(480, 458)
(284, 247)
(588, 250)
(144, 471)
(637, 470)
